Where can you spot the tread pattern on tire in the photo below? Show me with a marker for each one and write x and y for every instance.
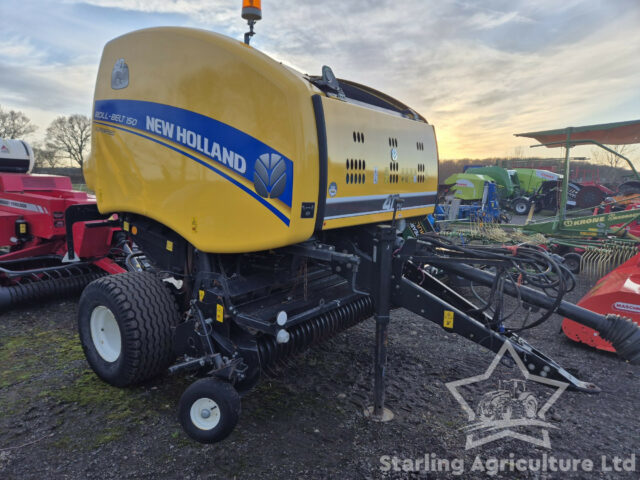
(149, 312)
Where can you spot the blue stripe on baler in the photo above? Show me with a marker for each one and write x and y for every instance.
(133, 114)
(274, 210)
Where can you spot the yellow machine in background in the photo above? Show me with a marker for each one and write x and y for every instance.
(235, 152)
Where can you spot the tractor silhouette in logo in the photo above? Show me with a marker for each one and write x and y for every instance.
(511, 401)
(120, 75)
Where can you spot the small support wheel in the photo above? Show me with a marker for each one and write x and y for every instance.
(209, 410)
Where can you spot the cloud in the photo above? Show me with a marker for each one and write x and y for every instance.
(18, 48)
(485, 95)
(200, 10)
(479, 71)
(488, 20)
(477, 90)
(31, 81)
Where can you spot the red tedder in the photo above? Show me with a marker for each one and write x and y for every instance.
(34, 260)
(617, 292)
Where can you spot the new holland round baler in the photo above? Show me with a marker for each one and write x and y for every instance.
(267, 210)
(211, 136)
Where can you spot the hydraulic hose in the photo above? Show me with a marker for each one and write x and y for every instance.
(623, 334)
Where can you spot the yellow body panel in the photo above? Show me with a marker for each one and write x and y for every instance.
(388, 156)
(188, 125)
(218, 78)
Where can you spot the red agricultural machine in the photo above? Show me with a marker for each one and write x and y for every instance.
(617, 292)
(34, 260)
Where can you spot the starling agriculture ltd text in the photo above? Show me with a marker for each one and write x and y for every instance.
(493, 465)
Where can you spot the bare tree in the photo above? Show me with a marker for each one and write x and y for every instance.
(611, 160)
(45, 157)
(69, 136)
(518, 152)
(15, 124)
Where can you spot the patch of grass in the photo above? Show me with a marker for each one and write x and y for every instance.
(28, 355)
(18, 363)
(47, 366)
(109, 435)
(116, 408)
(48, 361)
(89, 391)
(66, 349)
(31, 361)
(180, 439)
(276, 400)
(121, 414)
(37, 351)
(64, 442)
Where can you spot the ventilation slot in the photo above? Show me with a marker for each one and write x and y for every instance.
(356, 168)
(420, 177)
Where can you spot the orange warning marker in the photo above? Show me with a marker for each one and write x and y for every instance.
(251, 10)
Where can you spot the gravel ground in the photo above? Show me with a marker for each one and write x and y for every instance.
(57, 420)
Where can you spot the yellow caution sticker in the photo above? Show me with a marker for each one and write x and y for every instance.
(170, 245)
(201, 295)
(219, 313)
(125, 226)
(447, 321)
(23, 228)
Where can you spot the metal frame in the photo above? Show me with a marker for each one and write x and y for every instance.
(393, 277)
(568, 143)
(565, 180)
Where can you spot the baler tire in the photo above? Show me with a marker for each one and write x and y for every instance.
(144, 311)
(221, 401)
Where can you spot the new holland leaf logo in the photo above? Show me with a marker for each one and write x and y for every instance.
(270, 175)
(502, 412)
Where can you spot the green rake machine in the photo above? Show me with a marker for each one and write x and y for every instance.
(592, 243)
(597, 242)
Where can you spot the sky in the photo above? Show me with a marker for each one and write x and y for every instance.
(479, 71)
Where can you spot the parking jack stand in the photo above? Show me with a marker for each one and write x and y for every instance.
(384, 247)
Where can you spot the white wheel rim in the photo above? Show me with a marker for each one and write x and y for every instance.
(205, 413)
(105, 333)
